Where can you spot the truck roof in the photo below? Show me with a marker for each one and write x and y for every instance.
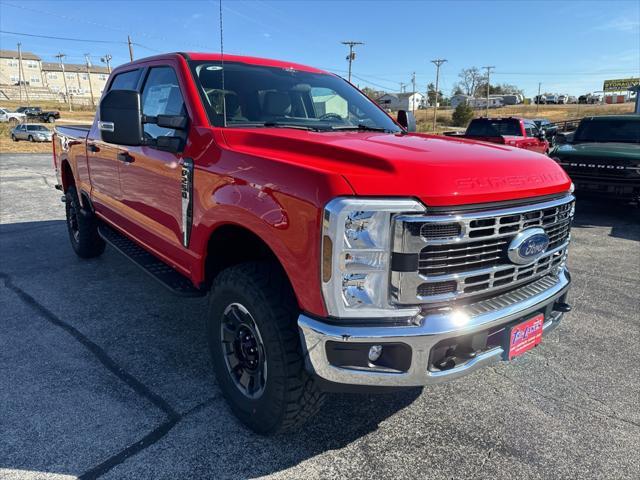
(216, 57)
(632, 116)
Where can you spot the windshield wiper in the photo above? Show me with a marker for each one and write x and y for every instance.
(276, 125)
(361, 127)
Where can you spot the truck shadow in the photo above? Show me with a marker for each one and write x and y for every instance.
(623, 219)
(158, 340)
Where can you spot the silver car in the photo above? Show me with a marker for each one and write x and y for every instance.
(31, 132)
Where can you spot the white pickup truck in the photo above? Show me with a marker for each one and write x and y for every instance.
(13, 117)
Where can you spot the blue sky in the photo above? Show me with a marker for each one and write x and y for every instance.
(569, 46)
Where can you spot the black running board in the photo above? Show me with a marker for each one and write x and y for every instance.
(163, 273)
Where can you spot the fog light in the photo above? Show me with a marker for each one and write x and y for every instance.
(374, 352)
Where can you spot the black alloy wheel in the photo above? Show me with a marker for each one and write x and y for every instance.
(243, 350)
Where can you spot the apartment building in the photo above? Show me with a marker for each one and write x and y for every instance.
(50, 75)
(10, 68)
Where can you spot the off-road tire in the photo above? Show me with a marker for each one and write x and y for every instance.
(290, 395)
(82, 227)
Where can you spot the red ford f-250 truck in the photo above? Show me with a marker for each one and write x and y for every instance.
(512, 131)
(338, 250)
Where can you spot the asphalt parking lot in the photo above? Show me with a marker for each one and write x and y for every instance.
(105, 374)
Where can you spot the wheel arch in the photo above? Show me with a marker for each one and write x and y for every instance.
(237, 245)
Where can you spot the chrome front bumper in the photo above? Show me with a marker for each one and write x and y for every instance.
(428, 331)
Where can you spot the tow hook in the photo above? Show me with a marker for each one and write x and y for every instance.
(562, 307)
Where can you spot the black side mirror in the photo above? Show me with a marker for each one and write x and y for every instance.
(176, 122)
(120, 118)
(542, 134)
(168, 144)
(407, 120)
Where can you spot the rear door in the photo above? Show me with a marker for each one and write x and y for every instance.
(105, 158)
(151, 181)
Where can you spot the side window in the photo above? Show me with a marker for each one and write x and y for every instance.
(161, 96)
(328, 102)
(529, 129)
(126, 80)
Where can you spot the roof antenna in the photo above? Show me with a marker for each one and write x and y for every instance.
(224, 94)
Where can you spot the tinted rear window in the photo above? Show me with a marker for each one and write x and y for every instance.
(494, 128)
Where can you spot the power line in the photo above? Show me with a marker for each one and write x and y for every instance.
(50, 37)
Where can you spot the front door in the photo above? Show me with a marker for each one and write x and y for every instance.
(151, 179)
(105, 158)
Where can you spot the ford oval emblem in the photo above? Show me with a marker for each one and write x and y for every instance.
(528, 246)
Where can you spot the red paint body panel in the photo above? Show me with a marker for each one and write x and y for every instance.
(520, 141)
(276, 182)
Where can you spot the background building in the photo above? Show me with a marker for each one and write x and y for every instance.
(45, 81)
(402, 101)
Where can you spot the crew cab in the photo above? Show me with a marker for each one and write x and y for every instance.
(37, 114)
(339, 249)
(603, 156)
(516, 132)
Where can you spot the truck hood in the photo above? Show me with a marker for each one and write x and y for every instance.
(441, 171)
(622, 151)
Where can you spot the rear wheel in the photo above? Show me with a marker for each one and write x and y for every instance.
(31, 138)
(82, 227)
(14, 138)
(256, 350)
(51, 119)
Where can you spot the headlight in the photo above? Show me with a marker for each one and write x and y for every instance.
(572, 188)
(356, 255)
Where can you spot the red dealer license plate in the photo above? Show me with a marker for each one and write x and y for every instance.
(524, 336)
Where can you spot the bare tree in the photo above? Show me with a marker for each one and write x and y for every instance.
(470, 78)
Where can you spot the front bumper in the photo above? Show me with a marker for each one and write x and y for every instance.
(419, 341)
(608, 188)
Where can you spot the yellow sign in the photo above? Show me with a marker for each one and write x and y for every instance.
(620, 84)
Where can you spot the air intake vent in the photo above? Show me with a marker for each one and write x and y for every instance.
(437, 288)
(432, 231)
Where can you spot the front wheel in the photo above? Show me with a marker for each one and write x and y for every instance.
(14, 138)
(256, 349)
(31, 138)
(51, 119)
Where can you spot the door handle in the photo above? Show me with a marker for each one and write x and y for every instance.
(125, 157)
(92, 147)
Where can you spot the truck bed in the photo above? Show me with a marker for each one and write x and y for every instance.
(74, 131)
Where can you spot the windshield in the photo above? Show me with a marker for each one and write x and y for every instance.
(260, 96)
(610, 130)
(494, 128)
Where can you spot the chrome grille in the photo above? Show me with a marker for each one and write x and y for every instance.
(475, 262)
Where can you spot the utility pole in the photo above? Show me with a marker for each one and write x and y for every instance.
(86, 57)
(130, 47)
(352, 55)
(21, 77)
(107, 59)
(538, 99)
(437, 62)
(401, 87)
(60, 57)
(413, 97)
(488, 85)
